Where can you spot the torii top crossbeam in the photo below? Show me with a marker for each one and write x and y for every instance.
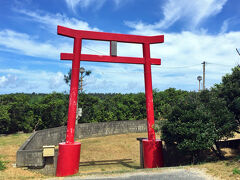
(76, 57)
(102, 36)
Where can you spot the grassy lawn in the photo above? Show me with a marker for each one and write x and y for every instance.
(8, 147)
(109, 154)
(224, 169)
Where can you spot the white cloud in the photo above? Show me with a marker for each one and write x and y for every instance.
(24, 44)
(187, 50)
(3, 80)
(228, 23)
(25, 80)
(97, 4)
(10, 81)
(192, 12)
(52, 20)
(56, 80)
(84, 3)
(114, 77)
(181, 54)
(120, 3)
(72, 3)
(224, 26)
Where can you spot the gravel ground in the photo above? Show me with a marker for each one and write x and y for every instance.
(175, 174)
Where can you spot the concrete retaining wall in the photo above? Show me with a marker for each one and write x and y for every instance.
(109, 128)
(30, 153)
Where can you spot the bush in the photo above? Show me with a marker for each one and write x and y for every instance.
(229, 89)
(2, 165)
(197, 122)
(236, 171)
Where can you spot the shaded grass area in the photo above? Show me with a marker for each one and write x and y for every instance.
(110, 155)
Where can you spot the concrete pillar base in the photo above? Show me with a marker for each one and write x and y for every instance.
(68, 159)
(152, 153)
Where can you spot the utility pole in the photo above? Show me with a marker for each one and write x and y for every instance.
(204, 63)
(237, 51)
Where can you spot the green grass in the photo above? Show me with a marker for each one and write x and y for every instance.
(109, 155)
(14, 139)
(236, 171)
(2, 165)
(9, 144)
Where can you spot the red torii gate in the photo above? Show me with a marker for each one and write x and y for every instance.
(69, 151)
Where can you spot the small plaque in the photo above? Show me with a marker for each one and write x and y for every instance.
(48, 151)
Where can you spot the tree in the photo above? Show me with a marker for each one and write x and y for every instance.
(5, 120)
(52, 111)
(229, 89)
(19, 111)
(197, 122)
(89, 103)
(67, 78)
(165, 100)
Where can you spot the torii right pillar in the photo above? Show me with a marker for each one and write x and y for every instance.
(152, 148)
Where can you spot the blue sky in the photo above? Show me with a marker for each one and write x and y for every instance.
(195, 31)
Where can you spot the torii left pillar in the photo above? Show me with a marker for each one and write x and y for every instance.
(69, 151)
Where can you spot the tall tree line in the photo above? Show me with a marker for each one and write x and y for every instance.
(29, 112)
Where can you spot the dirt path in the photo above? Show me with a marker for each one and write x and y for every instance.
(166, 174)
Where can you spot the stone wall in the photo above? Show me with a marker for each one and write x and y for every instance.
(109, 128)
(30, 153)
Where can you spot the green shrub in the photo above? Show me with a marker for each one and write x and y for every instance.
(229, 89)
(197, 122)
(2, 165)
(236, 171)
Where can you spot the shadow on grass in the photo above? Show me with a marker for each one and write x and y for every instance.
(124, 162)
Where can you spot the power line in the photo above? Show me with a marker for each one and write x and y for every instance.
(176, 67)
(173, 67)
(93, 50)
(218, 64)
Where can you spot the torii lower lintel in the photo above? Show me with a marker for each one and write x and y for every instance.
(110, 59)
(151, 146)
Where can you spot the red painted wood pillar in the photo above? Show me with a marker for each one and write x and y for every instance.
(152, 148)
(72, 109)
(148, 92)
(69, 152)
